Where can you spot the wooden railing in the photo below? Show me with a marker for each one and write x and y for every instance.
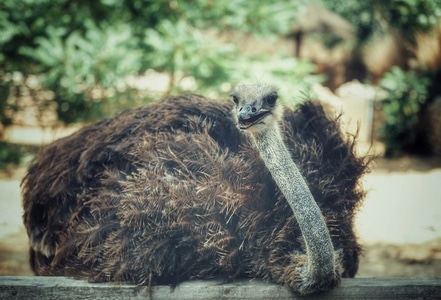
(17, 287)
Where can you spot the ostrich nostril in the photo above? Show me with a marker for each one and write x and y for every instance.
(253, 109)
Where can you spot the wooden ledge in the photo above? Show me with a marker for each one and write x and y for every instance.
(17, 287)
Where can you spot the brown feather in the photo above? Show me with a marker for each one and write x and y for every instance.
(173, 191)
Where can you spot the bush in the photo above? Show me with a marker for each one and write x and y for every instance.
(13, 154)
(406, 94)
(89, 57)
(85, 50)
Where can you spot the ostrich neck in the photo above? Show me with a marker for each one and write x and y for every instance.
(287, 176)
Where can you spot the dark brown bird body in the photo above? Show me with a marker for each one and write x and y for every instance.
(174, 191)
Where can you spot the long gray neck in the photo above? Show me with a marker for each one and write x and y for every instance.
(287, 176)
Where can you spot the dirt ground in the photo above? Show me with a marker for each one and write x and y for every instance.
(399, 224)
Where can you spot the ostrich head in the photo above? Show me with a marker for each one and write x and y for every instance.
(257, 108)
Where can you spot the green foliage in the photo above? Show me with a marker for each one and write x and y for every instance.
(361, 14)
(8, 155)
(260, 17)
(182, 50)
(406, 93)
(407, 90)
(173, 47)
(406, 16)
(15, 154)
(85, 50)
(411, 16)
(70, 43)
(78, 66)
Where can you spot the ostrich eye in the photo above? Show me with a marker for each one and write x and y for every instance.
(235, 99)
(271, 99)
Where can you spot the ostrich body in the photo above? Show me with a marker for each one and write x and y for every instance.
(175, 191)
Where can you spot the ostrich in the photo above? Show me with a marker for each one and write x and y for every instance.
(191, 188)
(258, 113)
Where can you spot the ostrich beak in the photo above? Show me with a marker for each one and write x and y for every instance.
(249, 115)
(246, 112)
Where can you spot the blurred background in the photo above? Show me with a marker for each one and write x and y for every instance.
(66, 63)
